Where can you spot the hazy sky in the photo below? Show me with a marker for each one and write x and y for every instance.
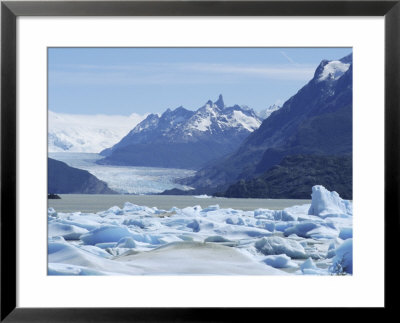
(144, 80)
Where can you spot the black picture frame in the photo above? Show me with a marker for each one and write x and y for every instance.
(11, 10)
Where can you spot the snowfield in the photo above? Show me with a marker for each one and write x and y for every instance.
(311, 239)
(87, 133)
(334, 70)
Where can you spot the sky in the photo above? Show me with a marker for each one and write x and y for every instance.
(122, 81)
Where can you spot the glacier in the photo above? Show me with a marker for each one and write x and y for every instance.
(142, 240)
(87, 133)
(126, 179)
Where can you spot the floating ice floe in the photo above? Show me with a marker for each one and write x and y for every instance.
(328, 204)
(343, 260)
(109, 233)
(67, 231)
(280, 261)
(278, 245)
(139, 240)
(309, 229)
(51, 212)
(309, 268)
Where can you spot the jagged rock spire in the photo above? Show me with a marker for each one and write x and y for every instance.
(220, 102)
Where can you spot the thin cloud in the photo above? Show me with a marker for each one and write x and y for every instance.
(288, 58)
(175, 73)
(271, 72)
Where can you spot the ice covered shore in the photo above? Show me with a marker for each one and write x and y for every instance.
(312, 239)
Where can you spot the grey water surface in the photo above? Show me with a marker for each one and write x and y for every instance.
(95, 202)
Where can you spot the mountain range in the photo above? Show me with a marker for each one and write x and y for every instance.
(183, 138)
(277, 153)
(316, 121)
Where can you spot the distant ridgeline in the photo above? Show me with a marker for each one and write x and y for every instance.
(184, 139)
(306, 142)
(63, 179)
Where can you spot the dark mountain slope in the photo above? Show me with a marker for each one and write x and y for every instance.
(316, 120)
(294, 176)
(63, 179)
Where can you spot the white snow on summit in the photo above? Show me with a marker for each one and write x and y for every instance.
(247, 122)
(264, 114)
(333, 70)
(216, 117)
(202, 124)
(87, 133)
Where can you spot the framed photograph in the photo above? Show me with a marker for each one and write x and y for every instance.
(197, 158)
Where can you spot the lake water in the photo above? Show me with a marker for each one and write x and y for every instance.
(95, 203)
(143, 181)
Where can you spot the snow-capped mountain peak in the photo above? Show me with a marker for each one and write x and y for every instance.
(151, 122)
(213, 120)
(217, 118)
(184, 138)
(244, 107)
(333, 70)
(264, 114)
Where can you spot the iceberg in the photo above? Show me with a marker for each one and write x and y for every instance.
(346, 233)
(280, 261)
(142, 240)
(309, 229)
(126, 242)
(67, 231)
(278, 245)
(107, 233)
(343, 260)
(325, 203)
